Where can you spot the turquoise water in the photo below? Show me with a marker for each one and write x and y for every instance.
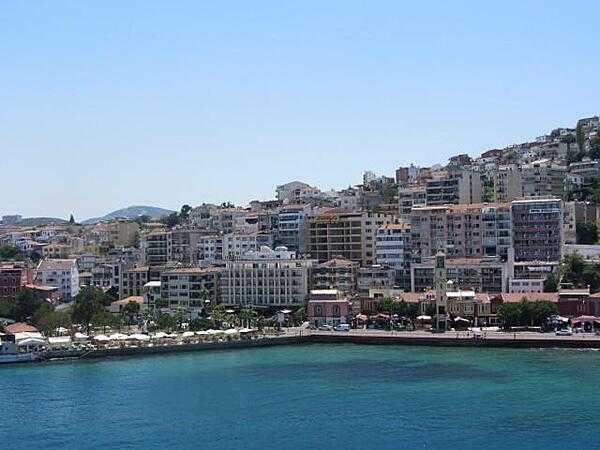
(313, 396)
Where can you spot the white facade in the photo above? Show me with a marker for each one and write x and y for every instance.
(60, 273)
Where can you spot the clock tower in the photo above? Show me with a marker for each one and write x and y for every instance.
(439, 279)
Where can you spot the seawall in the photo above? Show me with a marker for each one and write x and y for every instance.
(162, 349)
(449, 341)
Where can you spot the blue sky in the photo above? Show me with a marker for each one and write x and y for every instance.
(108, 104)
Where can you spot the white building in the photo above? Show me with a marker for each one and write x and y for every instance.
(266, 278)
(60, 273)
(392, 249)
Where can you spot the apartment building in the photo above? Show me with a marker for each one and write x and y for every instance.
(375, 276)
(182, 245)
(123, 233)
(409, 197)
(189, 289)
(537, 229)
(13, 277)
(60, 273)
(266, 278)
(543, 178)
(350, 235)
(454, 187)
(134, 279)
(480, 274)
(507, 183)
(337, 273)
(155, 248)
(393, 249)
(475, 230)
(292, 228)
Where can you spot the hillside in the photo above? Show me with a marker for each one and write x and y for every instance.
(131, 212)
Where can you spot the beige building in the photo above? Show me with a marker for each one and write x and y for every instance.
(350, 235)
(454, 187)
(123, 233)
(191, 289)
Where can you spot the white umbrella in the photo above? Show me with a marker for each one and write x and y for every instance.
(231, 331)
(101, 338)
(172, 335)
(140, 337)
(188, 334)
(81, 337)
(159, 335)
(202, 333)
(245, 330)
(424, 318)
(460, 319)
(118, 337)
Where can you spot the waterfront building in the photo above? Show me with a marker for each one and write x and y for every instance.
(375, 276)
(487, 274)
(189, 289)
(328, 307)
(337, 273)
(266, 278)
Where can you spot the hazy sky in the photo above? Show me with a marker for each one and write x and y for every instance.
(112, 103)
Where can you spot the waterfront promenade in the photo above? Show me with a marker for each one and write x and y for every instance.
(296, 336)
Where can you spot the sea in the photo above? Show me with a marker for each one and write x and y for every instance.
(308, 397)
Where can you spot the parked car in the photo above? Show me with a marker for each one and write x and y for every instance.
(342, 327)
(564, 333)
(326, 328)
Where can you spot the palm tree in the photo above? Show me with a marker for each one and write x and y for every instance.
(248, 315)
(218, 315)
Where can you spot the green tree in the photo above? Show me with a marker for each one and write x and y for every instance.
(551, 283)
(166, 322)
(595, 148)
(103, 319)
(248, 316)
(10, 252)
(88, 303)
(509, 314)
(541, 311)
(587, 233)
(72, 220)
(579, 136)
(200, 324)
(184, 214)
(218, 315)
(130, 312)
(171, 220)
(25, 305)
(47, 319)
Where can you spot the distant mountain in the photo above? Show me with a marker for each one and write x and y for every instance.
(131, 212)
(40, 221)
